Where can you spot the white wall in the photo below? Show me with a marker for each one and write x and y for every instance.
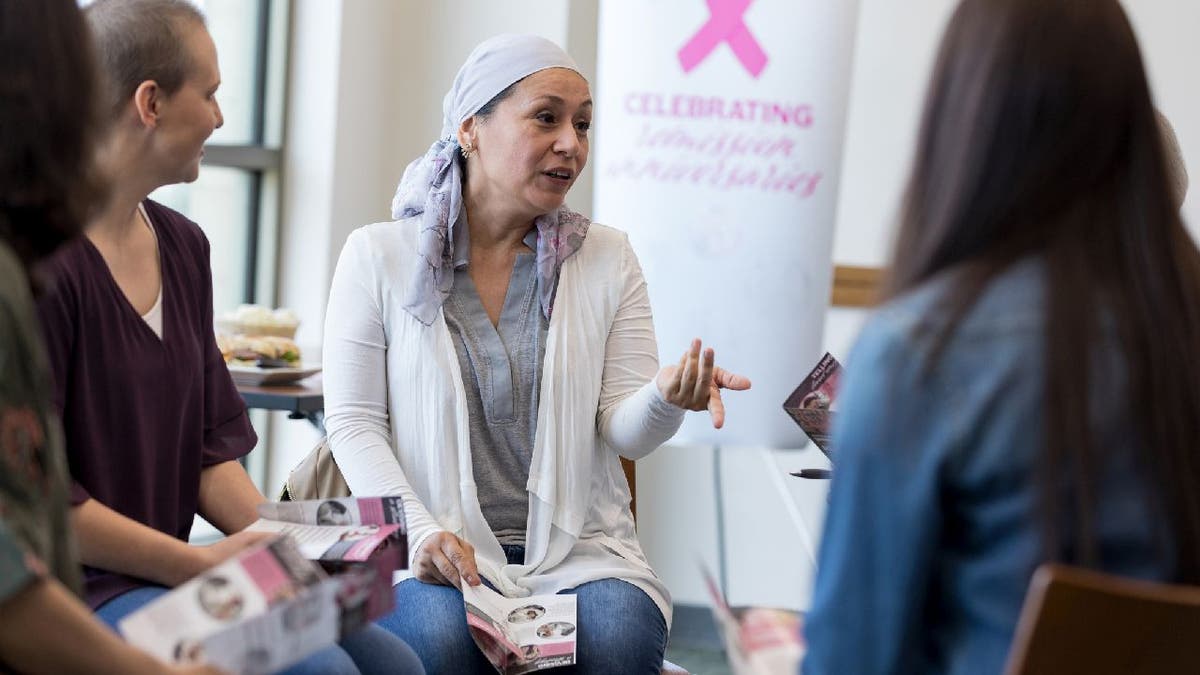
(895, 49)
(1167, 31)
(894, 52)
(367, 80)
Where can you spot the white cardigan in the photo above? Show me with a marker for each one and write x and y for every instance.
(395, 411)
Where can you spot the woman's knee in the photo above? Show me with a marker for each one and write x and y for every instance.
(620, 629)
(376, 651)
(328, 661)
(432, 620)
(426, 611)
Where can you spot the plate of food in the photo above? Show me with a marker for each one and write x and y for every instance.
(264, 359)
(259, 376)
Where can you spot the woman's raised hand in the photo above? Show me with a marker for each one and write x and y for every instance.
(446, 560)
(695, 383)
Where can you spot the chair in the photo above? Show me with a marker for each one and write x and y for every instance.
(630, 469)
(1078, 621)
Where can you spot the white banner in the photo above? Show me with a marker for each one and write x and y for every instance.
(718, 148)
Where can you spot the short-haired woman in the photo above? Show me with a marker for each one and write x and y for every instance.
(154, 426)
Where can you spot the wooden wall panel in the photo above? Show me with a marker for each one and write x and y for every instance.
(856, 286)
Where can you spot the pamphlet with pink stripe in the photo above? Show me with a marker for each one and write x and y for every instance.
(522, 635)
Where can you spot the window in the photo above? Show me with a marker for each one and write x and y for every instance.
(235, 200)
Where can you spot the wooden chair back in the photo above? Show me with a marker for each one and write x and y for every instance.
(631, 478)
(1079, 621)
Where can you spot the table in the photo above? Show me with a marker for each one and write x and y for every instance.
(303, 400)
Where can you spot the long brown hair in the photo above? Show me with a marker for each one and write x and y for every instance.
(1039, 139)
(48, 124)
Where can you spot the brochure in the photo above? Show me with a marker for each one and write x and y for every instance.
(346, 529)
(522, 635)
(259, 612)
(326, 574)
(758, 640)
(813, 403)
(360, 539)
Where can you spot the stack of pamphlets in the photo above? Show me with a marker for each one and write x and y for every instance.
(328, 573)
(354, 537)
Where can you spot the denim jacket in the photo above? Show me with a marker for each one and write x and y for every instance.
(932, 532)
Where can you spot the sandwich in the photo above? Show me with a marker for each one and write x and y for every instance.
(265, 351)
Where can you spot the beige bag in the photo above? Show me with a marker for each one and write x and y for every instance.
(316, 477)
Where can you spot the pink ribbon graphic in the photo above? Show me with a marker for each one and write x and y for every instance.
(725, 25)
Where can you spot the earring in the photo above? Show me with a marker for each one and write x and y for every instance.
(467, 150)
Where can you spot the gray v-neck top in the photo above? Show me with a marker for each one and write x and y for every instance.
(501, 371)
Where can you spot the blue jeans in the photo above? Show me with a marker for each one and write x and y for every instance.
(369, 650)
(620, 630)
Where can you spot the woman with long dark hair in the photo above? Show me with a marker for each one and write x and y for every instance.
(1031, 391)
(48, 126)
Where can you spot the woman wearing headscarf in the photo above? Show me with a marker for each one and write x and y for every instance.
(490, 355)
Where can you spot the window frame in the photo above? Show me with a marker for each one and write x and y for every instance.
(257, 157)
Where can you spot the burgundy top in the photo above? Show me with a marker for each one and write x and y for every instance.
(142, 415)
